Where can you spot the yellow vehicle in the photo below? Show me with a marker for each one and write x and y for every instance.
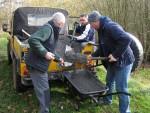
(29, 19)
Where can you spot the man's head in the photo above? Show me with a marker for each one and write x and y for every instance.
(93, 19)
(83, 19)
(58, 19)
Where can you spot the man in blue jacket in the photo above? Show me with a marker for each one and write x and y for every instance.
(114, 43)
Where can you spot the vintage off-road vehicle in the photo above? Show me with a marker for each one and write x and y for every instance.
(25, 21)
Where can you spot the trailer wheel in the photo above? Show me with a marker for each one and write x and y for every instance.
(137, 49)
(18, 86)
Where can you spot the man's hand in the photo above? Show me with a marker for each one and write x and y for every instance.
(112, 58)
(49, 56)
(89, 60)
(62, 61)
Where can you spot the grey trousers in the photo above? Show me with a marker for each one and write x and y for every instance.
(41, 87)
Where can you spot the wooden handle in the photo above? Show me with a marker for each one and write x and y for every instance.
(99, 58)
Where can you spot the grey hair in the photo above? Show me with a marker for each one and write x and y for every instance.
(58, 17)
(94, 16)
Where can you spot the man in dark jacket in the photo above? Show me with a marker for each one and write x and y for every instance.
(114, 43)
(84, 32)
(42, 44)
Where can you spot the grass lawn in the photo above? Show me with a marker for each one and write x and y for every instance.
(62, 101)
(3, 46)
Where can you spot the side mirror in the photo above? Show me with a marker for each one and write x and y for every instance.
(5, 27)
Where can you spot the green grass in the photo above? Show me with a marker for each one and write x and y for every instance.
(3, 45)
(61, 100)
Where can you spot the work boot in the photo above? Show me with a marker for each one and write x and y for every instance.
(103, 101)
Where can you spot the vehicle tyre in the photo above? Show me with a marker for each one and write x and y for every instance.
(18, 86)
(137, 49)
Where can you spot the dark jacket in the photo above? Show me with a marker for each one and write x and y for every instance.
(90, 35)
(79, 30)
(41, 42)
(114, 40)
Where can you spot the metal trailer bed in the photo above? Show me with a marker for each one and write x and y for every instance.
(84, 84)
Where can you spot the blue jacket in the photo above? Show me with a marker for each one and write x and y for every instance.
(114, 40)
